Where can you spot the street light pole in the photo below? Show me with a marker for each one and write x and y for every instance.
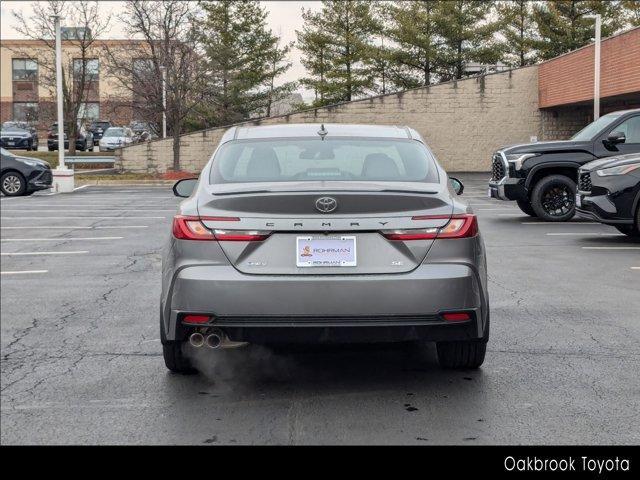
(63, 179)
(163, 69)
(59, 94)
(596, 73)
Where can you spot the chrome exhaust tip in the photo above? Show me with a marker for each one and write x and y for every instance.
(196, 339)
(214, 340)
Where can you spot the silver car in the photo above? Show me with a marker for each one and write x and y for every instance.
(324, 233)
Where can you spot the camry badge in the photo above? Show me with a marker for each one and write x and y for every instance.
(326, 204)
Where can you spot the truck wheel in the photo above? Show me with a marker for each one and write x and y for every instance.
(553, 198)
(464, 354)
(526, 207)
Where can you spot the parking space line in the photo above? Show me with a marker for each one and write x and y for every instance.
(90, 209)
(19, 272)
(635, 268)
(104, 227)
(70, 252)
(59, 239)
(611, 248)
(587, 233)
(561, 223)
(80, 187)
(88, 217)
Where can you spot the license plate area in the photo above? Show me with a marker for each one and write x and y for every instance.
(326, 251)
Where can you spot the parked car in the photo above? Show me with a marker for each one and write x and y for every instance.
(541, 176)
(18, 135)
(115, 137)
(84, 141)
(609, 192)
(97, 128)
(336, 233)
(23, 175)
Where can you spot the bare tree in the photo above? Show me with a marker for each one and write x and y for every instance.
(79, 76)
(167, 42)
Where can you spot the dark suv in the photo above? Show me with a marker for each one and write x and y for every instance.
(541, 177)
(97, 128)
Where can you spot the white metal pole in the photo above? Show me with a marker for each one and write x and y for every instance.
(164, 101)
(596, 73)
(59, 94)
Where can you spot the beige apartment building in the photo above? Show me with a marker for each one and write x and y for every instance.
(28, 94)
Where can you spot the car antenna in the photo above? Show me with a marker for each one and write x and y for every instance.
(322, 132)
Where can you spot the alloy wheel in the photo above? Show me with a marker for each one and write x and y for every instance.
(557, 200)
(12, 184)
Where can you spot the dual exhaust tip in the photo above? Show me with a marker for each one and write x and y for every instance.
(213, 340)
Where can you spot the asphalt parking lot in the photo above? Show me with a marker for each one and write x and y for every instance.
(81, 358)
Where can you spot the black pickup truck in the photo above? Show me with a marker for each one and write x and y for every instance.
(541, 177)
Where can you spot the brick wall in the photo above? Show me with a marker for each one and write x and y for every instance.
(463, 122)
(569, 78)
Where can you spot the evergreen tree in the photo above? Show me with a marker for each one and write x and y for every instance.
(564, 25)
(519, 31)
(415, 58)
(243, 58)
(468, 35)
(342, 33)
(278, 65)
(314, 44)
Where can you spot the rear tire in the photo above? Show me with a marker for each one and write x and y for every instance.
(553, 198)
(175, 360)
(525, 206)
(464, 354)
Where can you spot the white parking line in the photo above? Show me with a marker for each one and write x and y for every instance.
(90, 209)
(635, 268)
(80, 187)
(76, 252)
(495, 209)
(588, 233)
(89, 217)
(611, 248)
(59, 239)
(40, 227)
(560, 223)
(18, 272)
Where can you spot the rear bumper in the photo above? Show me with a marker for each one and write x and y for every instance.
(362, 308)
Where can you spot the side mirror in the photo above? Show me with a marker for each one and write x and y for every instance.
(457, 185)
(616, 137)
(184, 188)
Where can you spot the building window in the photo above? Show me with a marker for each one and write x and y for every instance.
(143, 69)
(25, 111)
(89, 111)
(25, 69)
(91, 69)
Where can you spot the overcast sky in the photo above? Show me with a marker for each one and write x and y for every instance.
(284, 19)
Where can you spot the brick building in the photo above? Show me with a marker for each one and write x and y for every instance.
(26, 93)
(463, 121)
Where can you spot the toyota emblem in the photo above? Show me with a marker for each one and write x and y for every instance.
(326, 204)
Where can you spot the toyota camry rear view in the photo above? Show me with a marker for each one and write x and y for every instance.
(324, 233)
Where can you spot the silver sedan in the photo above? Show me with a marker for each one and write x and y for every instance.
(323, 233)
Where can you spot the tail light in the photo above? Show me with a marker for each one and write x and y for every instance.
(459, 226)
(456, 316)
(196, 319)
(191, 228)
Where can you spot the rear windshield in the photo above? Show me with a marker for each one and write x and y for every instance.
(306, 159)
(114, 132)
